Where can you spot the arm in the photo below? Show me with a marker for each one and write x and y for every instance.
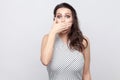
(47, 48)
(48, 41)
(86, 52)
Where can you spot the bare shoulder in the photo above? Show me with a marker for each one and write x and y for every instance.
(45, 36)
(86, 51)
(84, 41)
(44, 39)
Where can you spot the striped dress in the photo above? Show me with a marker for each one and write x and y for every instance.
(65, 64)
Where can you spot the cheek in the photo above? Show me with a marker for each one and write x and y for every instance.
(69, 20)
(66, 20)
(58, 20)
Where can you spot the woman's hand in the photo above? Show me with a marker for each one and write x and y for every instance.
(59, 27)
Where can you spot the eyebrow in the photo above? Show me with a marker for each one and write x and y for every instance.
(65, 13)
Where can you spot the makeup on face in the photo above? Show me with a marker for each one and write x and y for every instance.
(59, 16)
(64, 15)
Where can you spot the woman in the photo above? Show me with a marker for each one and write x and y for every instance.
(65, 50)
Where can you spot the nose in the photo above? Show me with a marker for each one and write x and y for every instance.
(62, 19)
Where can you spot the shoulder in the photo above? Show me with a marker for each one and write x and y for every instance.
(86, 41)
(44, 38)
(86, 51)
(86, 37)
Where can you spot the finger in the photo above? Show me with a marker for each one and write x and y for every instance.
(66, 24)
(69, 24)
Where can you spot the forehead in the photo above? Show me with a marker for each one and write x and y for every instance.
(63, 11)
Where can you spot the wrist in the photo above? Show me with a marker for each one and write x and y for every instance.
(52, 33)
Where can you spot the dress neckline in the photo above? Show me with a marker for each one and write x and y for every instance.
(64, 43)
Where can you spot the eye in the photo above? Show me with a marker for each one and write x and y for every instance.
(68, 16)
(58, 16)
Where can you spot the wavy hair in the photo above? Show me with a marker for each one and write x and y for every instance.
(75, 35)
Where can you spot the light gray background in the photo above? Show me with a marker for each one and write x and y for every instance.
(24, 22)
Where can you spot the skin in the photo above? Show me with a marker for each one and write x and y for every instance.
(64, 16)
(61, 25)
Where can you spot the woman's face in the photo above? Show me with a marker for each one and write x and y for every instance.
(64, 15)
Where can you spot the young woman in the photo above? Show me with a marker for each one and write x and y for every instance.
(65, 51)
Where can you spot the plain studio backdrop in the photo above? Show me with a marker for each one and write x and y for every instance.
(24, 22)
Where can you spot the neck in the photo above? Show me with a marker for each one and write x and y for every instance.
(63, 37)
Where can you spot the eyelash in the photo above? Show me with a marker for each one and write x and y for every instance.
(65, 16)
(58, 16)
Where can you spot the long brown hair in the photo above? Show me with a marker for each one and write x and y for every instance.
(75, 35)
